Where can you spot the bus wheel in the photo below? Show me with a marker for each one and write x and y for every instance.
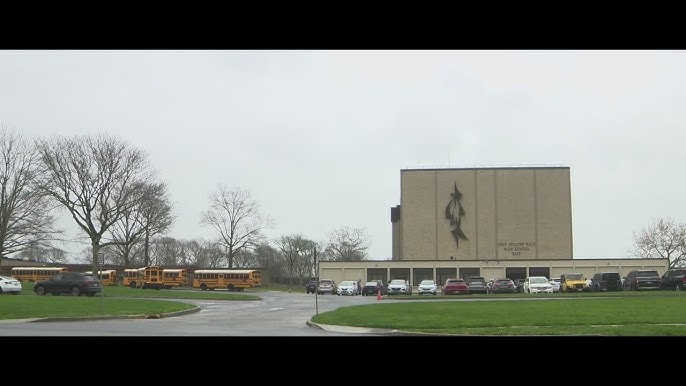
(203, 287)
(132, 284)
(230, 287)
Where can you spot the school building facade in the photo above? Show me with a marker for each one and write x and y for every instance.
(492, 222)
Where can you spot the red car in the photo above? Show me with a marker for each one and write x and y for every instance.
(455, 287)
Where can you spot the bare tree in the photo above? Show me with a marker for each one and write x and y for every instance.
(97, 179)
(167, 251)
(202, 254)
(298, 253)
(237, 219)
(38, 252)
(664, 238)
(348, 244)
(25, 220)
(141, 223)
(196, 252)
(156, 215)
(246, 260)
(290, 249)
(269, 259)
(215, 255)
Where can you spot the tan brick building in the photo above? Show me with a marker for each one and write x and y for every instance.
(490, 222)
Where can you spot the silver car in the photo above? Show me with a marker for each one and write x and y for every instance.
(327, 286)
(399, 287)
(426, 287)
(348, 287)
(9, 285)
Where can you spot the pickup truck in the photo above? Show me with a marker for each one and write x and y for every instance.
(399, 287)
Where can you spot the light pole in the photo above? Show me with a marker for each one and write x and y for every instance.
(316, 289)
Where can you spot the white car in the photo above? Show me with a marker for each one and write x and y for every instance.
(537, 284)
(399, 287)
(348, 287)
(9, 285)
(556, 282)
(427, 287)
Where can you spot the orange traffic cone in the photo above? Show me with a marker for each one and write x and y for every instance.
(378, 295)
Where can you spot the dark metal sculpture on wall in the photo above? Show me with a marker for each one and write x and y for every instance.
(456, 218)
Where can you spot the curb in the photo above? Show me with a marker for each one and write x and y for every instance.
(140, 316)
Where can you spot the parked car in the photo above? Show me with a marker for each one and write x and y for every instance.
(556, 282)
(347, 287)
(573, 282)
(9, 285)
(455, 287)
(327, 286)
(606, 281)
(372, 288)
(503, 286)
(399, 287)
(73, 283)
(476, 278)
(674, 279)
(427, 287)
(519, 283)
(311, 286)
(382, 285)
(642, 279)
(477, 286)
(537, 284)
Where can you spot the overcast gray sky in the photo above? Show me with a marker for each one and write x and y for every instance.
(319, 137)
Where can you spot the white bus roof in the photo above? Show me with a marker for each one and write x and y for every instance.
(225, 270)
(40, 268)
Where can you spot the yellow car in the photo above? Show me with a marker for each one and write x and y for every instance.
(573, 282)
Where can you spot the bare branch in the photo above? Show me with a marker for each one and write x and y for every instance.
(97, 179)
(664, 238)
(348, 244)
(237, 220)
(25, 219)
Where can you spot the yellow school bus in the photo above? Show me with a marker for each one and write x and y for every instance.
(36, 273)
(106, 276)
(152, 277)
(231, 279)
(173, 277)
(133, 277)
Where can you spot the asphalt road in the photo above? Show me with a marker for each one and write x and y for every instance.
(277, 314)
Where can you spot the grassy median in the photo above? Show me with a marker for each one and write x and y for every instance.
(652, 313)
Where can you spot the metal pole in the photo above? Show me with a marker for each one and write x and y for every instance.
(98, 275)
(316, 290)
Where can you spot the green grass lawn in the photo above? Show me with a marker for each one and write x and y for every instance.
(115, 301)
(620, 314)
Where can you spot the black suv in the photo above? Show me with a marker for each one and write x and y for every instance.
(373, 288)
(73, 283)
(674, 279)
(606, 281)
(311, 286)
(642, 279)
